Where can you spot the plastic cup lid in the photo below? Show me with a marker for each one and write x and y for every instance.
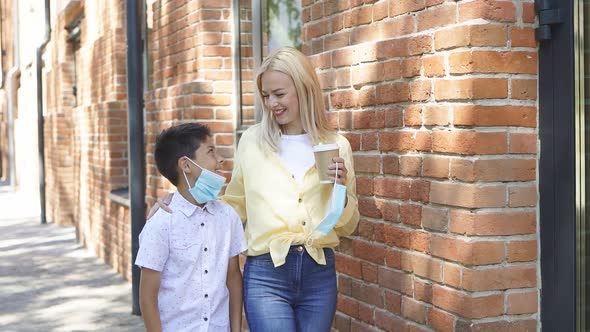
(325, 147)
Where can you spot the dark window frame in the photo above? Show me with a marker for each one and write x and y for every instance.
(557, 175)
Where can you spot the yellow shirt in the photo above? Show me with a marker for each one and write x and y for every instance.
(278, 210)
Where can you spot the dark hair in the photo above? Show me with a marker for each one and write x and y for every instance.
(177, 142)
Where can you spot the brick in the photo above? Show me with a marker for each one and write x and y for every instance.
(522, 196)
(501, 278)
(341, 322)
(434, 66)
(364, 185)
(410, 214)
(493, 62)
(368, 119)
(420, 191)
(370, 251)
(348, 265)
(471, 35)
(395, 280)
(440, 320)
(493, 116)
(494, 170)
(388, 93)
(413, 116)
(467, 252)
(522, 143)
(336, 41)
(405, 141)
(521, 251)
(437, 17)
(369, 272)
(393, 302)
(367, 293)
(420, 241)
(528, 12)
(529, 325)
(353, 55)
(523, 89)
(368, 208)
(423, 291)
(399, 7)
(394, 236)
(388, 322)
(391, 165)
(452, 274)
(410, 165)
(493, 223)
(435, 167)
(469, 142)
(522, 37)
(420, 90)
(398, 26)
(358, 16)
(436, 115)
(413, 310)
(467, 195)
(393, 258)
(411, 67)
(423, 266)
(434, 218)
(348, 306)
(522, 303)
(369, 141)
(466, 305)
(402, 47)
(367, 163)
(393, 117)
(392, 187)
(503, 11)
(471, 88)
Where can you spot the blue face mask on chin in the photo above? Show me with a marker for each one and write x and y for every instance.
(335, 209)
(207, 186)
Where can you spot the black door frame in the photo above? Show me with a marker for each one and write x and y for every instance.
(557, 172)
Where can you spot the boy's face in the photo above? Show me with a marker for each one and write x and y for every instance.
(206, 157)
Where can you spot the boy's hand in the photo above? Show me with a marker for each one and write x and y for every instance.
(163, 203)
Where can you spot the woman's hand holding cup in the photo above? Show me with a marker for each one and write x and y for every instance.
(340, 178)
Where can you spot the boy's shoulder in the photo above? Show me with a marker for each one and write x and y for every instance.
(160, 220)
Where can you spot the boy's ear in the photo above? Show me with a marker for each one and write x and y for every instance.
(183, 165)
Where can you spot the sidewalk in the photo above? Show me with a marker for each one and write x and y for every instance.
(48, 282)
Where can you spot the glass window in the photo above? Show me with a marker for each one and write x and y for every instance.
(264, 25)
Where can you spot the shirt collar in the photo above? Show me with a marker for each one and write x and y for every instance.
(187, 208)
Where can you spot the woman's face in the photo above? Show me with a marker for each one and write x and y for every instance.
(280, 97)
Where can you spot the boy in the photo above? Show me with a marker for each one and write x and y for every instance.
(189, 258)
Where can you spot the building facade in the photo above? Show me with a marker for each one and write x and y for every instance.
(438, 98)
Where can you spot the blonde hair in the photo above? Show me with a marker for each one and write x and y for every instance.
(312, 110)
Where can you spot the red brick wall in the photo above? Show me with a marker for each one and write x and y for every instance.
(86, 136)
(438, 99)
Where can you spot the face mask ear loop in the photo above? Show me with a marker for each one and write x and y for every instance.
(186, 179)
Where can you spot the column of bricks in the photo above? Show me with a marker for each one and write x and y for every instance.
(192, 77)
(438, 100)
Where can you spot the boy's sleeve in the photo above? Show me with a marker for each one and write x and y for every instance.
(238, 239)
(153, 245)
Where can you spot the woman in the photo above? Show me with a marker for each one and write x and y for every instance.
(290, 281)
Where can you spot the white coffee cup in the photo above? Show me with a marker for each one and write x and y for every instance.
(324, 154)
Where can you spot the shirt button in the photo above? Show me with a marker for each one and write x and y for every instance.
(205, 319)
(206, 271)
(206, 295)
(303, 223)
(202, 224)
(300, 200)
(205, 249)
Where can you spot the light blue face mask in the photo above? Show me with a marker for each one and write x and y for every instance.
(335, 209)
(207, 186)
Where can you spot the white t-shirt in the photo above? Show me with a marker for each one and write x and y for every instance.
(296, 153)
(191, 247)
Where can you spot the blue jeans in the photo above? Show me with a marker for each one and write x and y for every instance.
(299, 295)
